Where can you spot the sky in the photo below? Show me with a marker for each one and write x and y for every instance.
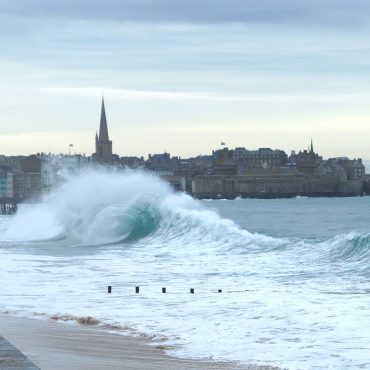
(184, 76)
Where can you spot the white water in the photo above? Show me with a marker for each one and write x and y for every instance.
(287, 302)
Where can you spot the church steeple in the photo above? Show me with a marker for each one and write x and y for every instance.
(311, 150)
(103, 130)
(103, 146)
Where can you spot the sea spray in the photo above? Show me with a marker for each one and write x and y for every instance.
(100, 208)
(78, 206)
(293, 274)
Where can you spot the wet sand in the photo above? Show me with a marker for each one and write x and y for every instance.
(59, 346)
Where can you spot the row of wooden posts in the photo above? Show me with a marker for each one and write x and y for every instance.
(164, 290)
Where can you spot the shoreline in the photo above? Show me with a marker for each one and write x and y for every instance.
(56, 346)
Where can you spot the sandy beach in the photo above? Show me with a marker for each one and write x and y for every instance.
(56, 346)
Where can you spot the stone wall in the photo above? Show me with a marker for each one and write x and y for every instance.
(214, 187)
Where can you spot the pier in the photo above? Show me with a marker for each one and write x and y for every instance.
(12, 359)
(8, 206)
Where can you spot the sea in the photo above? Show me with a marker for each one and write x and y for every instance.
(279, 282)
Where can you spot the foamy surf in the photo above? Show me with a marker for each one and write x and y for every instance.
(86, 206)
(285, 299)
(104, 208)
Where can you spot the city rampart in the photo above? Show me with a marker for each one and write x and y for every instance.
(229, 187)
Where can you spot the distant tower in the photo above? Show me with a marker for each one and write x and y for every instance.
(103, 146)
(311, 150)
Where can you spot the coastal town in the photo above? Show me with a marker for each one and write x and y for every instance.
(223, 174)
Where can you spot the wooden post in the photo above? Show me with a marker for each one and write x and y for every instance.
(219, 291)
(163, 290)
(109, 289)
(137, 289)
(191, 290)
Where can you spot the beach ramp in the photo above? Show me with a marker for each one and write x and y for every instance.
(13, 359)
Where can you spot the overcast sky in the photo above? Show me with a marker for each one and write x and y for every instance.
(182, 76)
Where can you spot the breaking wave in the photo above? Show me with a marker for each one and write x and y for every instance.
(279, 295)
(100, 208)
(93, 208)
(352, 247)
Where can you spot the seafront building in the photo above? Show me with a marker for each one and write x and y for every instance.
(263, 157)
(269, 173)
(225, 173)
(6, 182)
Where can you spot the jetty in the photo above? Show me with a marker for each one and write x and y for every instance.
(12, 359)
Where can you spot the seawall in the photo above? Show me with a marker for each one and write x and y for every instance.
(230, 187)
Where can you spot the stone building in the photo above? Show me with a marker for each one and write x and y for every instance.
(263, 157)
(306, 161)
(163, 162)
(132, 162)
(28, 182)
(6, 182)
(223, 162)
(354, 168)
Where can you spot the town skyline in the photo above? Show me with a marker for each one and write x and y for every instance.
(71, 148)
(181, 76)
(225, 174)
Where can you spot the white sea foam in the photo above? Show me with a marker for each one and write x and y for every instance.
(81, 206)
(297, 304)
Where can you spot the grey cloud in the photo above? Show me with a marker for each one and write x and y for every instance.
(325, 12)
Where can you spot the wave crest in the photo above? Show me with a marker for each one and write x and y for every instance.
(349, 248)
(94, 207)
(119, 223)
(103, 208)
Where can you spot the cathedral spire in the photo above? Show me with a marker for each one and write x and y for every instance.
(103, 146)
(103, 130)
(312, 147)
